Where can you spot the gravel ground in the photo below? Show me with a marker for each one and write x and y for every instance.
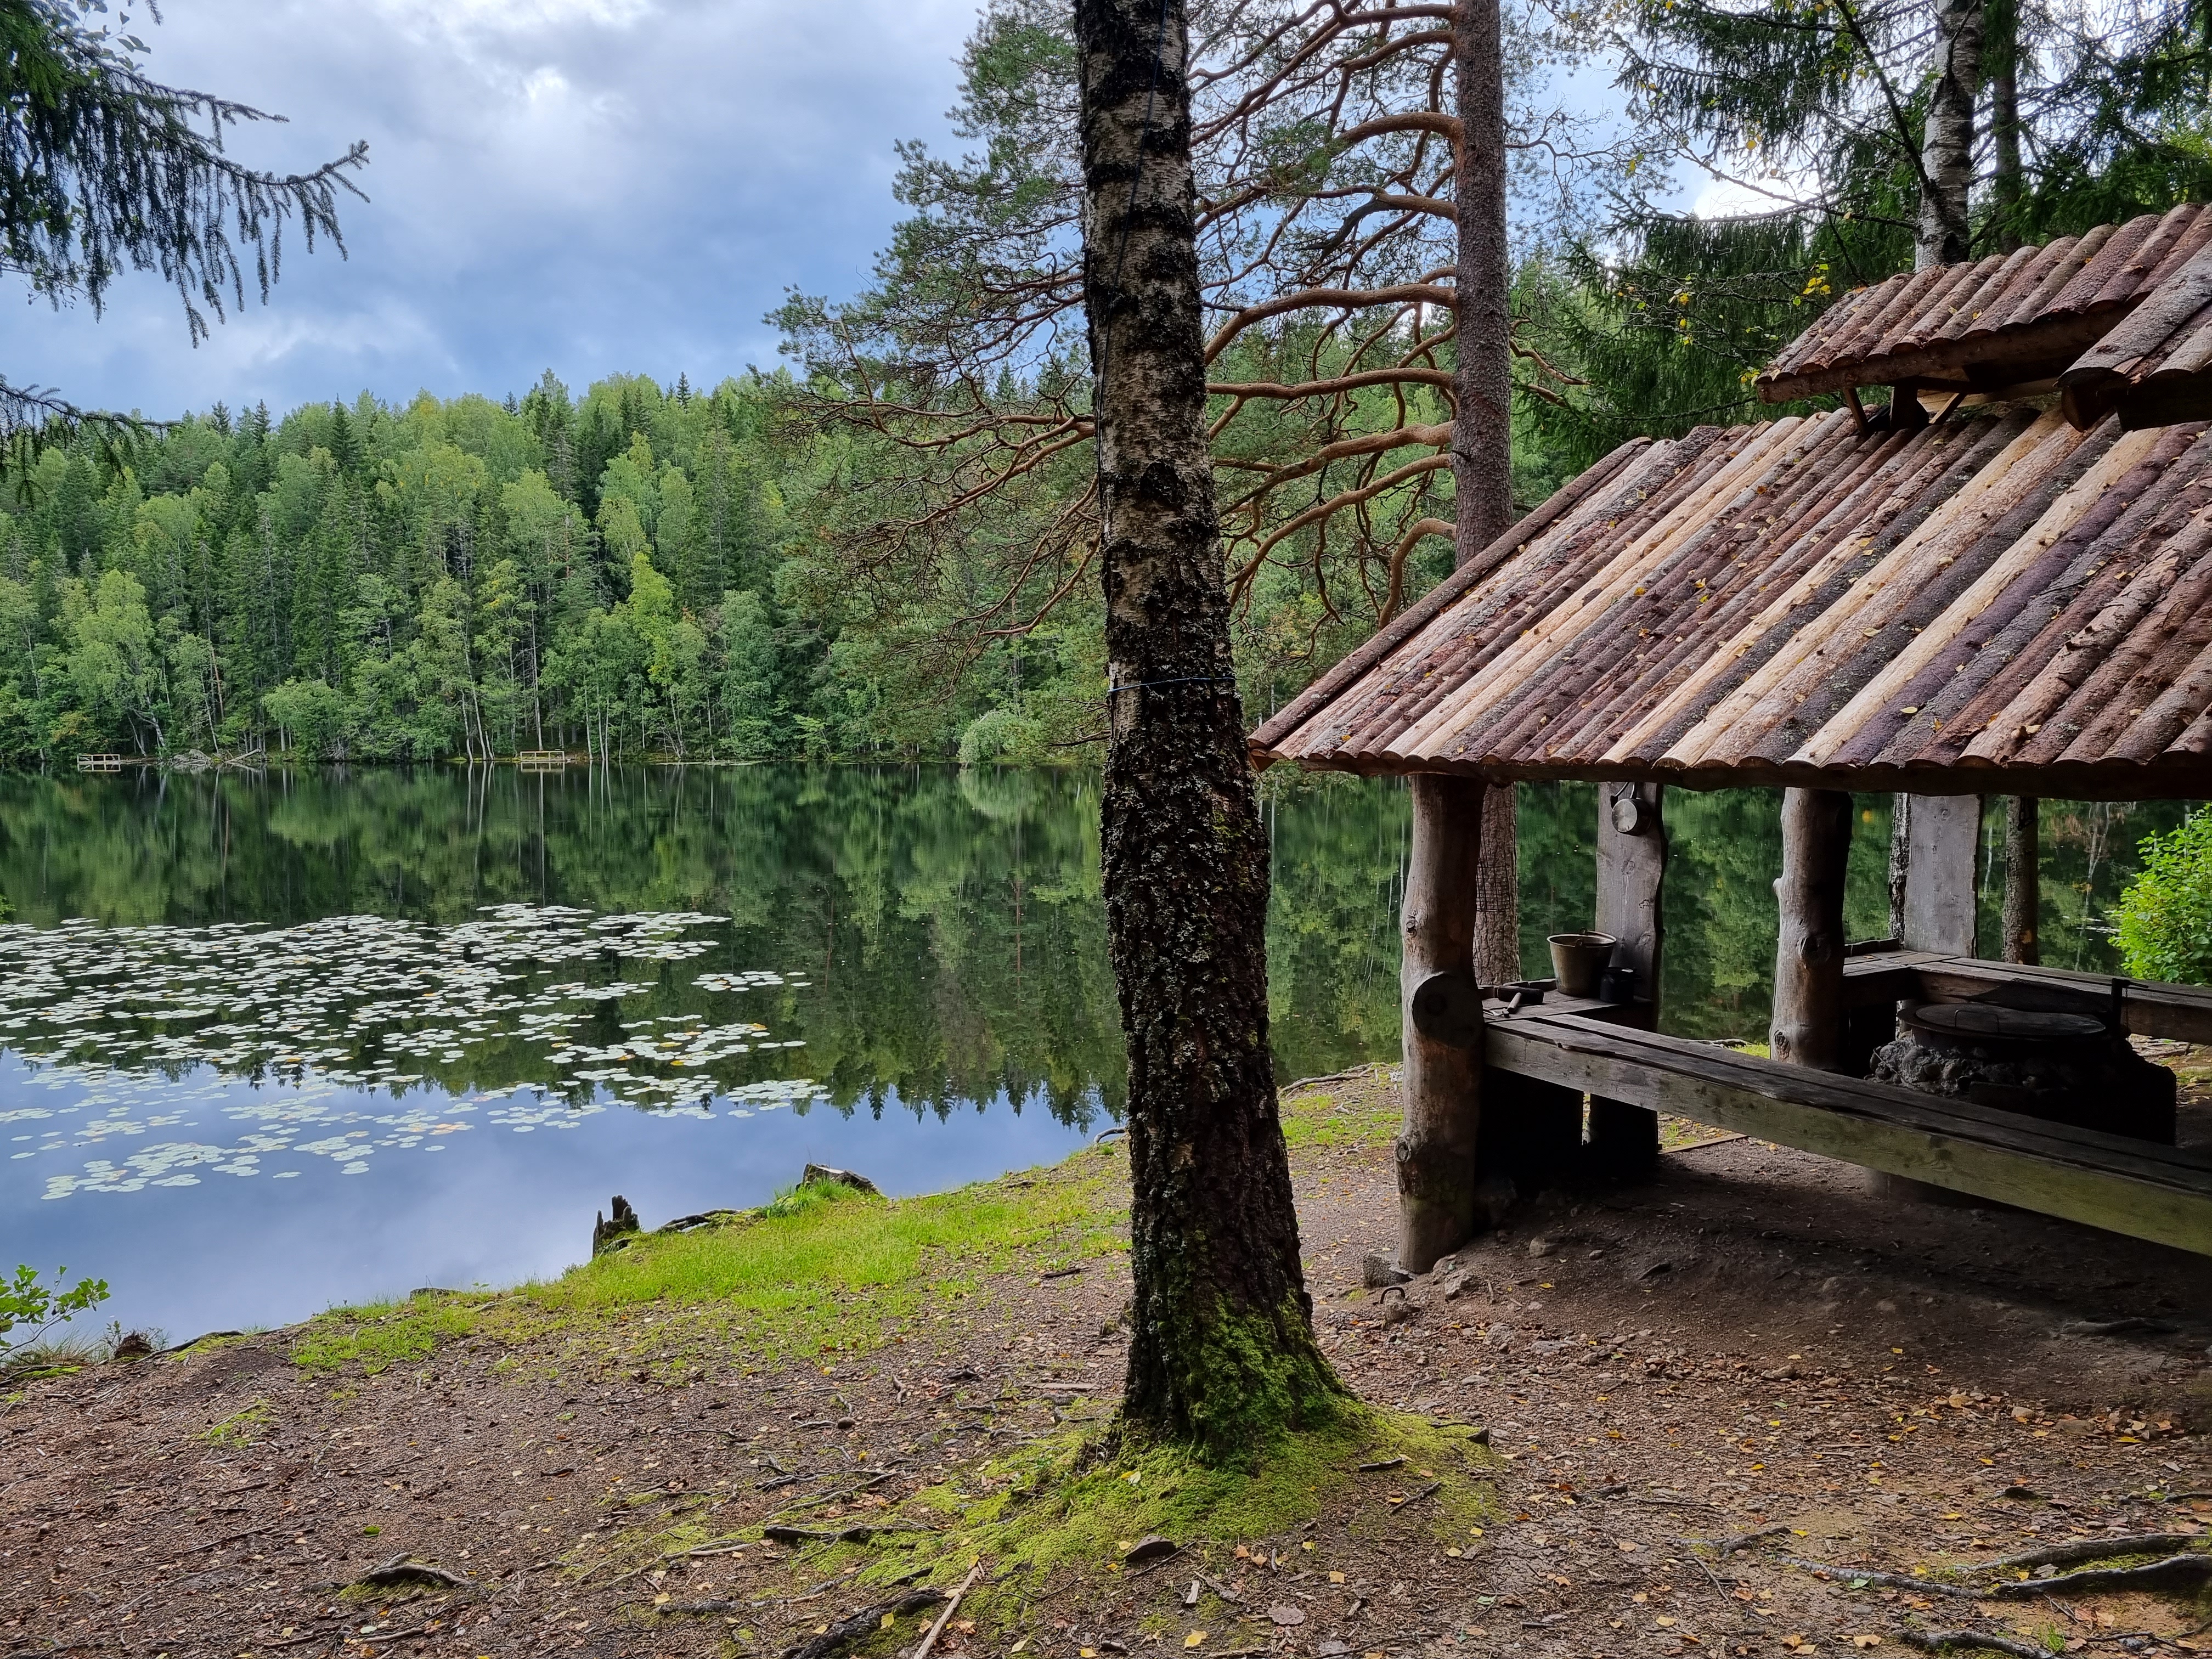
(1751, 1349)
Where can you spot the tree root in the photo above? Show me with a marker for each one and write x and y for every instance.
(2175, 1572)
(1884, 1580)
(854, 1627)
(1741, 1541)
(2091, 1549)
(401, 1570)
(1937, 1641)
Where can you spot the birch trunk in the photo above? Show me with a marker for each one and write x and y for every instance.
(1947, 152)
(1223, 1356)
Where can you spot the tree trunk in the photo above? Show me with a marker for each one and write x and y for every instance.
(1482, 425)
(1946, 151)
(1223, 1355)
(1943, 835)
(2023, 893)
(1497, 891)
(1632, 873)
(2000, 51)
(1443, 1082)
(1807, 1027)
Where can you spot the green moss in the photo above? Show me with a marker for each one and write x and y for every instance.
(1246, 1388)
(1082, 1499)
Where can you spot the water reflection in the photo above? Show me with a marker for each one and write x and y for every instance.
(255, 1007)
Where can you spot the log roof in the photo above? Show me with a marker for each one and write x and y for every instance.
(1997, 602)
(2155, 366)
(2004, 321)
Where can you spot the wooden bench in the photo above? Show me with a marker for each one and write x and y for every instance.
(2126, 1185)
(2147, 1008)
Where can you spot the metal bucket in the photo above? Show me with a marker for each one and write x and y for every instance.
(1580, 961)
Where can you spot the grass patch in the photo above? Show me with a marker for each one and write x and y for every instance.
(240, 1428)
(826, 1269)
(1362, 1111)
(380, 1336)
(821, 1270)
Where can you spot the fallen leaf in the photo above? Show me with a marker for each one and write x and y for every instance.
(1286, 1614)
(1194, 1638)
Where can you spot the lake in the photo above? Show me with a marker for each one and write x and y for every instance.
(270, 1042)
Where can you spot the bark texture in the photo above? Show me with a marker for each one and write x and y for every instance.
(2000, 60)
(1441, 1083)
(1944, 837)
(2023, 892)
(1223, 1356)
(1807, 1027)
(1482, 425)
(1947, 152)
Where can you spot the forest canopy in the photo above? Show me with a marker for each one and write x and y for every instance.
(887, 550)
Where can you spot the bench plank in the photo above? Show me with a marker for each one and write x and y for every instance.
(2104, 1181)
(2150, 1009)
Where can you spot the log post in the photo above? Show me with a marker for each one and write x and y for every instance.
(1807, 1027)
(1943, 835)
(2023, 892)
(1632, 868)
(1443, 1082)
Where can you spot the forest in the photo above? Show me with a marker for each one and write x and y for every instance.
(885, 548)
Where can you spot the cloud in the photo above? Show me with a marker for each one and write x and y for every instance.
(584, 185)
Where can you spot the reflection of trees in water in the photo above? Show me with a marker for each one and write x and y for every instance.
(950, 921)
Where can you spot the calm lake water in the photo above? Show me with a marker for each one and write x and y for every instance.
(269, 1042)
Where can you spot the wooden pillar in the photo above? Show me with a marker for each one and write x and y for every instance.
(1943, 836)
(1632, 867)
(1443, 1082)
(2023, 892)
(1807, 1026)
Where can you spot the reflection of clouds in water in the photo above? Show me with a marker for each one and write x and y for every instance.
(327, 995)
(280, 1121)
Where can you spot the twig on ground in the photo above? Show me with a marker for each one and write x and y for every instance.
(950, 1607)
(401, 1569)
(1705, 1570)
(1402, 1502)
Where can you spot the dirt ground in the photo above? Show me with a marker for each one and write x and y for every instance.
(1701, 1391)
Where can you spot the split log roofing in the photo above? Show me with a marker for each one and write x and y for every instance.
(2016, 600)
(1994, 604)
(2010, 320)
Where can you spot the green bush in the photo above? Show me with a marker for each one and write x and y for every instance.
(2164, 919)
(28, 1301)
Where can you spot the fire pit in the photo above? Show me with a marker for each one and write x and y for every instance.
(2061, 1067)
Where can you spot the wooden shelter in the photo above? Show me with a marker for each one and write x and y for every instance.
(1988, 588)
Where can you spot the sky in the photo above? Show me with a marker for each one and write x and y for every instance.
(586, 185)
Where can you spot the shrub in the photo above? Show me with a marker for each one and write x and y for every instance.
(2163, 922)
